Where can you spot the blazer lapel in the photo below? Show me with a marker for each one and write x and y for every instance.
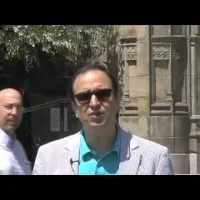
(72, 156)
(130, 156)
(74, 160)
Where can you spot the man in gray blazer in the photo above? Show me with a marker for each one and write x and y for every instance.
(102, 147)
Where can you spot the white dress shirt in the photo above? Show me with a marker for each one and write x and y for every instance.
(13, 159)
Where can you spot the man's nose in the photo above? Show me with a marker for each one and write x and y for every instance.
(94, 101)
(14, 110)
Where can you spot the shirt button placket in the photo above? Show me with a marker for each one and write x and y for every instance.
(99, 170)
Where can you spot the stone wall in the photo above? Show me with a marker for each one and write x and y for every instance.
(160, 75)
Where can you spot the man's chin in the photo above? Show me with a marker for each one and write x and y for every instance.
(10, 129)
(97, 123)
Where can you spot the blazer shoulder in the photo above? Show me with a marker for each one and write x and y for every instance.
(151, 145)
(144, 144)
(58, 143)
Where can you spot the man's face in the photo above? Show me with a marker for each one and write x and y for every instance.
(11, 110)
(98, 108)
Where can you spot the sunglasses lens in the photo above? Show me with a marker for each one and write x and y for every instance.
(84, 97)
(101, 95)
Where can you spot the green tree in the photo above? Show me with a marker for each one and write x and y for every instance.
(71, 42)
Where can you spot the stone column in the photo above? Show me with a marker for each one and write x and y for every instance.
(168, 112)
(127, 72)
(195, 101)
(161, 121)
(143, 79)
(135, 66)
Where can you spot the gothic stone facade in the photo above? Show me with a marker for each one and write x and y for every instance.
(159, 69)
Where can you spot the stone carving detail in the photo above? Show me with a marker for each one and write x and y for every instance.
(163, 53)
(160, 52)
(131, 53)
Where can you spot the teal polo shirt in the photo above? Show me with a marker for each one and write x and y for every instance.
(91, 164)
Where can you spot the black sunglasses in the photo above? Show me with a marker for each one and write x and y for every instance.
(101, 95)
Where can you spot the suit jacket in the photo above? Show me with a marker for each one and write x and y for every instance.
(138, 156)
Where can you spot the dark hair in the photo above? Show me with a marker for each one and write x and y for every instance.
(96, 65)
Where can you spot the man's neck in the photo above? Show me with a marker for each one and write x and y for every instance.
(100, 140)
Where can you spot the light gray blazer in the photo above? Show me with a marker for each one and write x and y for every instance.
(138, 157)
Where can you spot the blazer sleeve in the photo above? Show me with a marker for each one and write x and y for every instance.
(39, 165)
(164, 166)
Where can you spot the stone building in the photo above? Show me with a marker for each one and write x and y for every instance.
(159, 69)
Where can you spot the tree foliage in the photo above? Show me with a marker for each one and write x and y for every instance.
(71, 42)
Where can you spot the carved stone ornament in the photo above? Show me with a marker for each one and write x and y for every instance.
(163, 53)
(131, 53)
(160, 52)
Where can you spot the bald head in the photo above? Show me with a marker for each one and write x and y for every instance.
(10, 110)
(9, 92)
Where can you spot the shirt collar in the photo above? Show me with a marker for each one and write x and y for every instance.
(6, 140)
(85, 149)
(116, 146)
